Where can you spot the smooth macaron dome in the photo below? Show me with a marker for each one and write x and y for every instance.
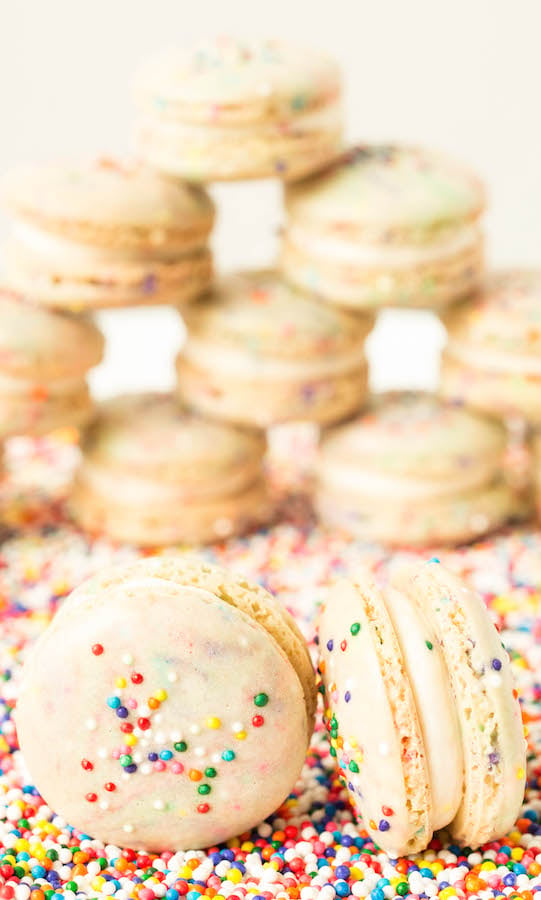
(260, 352)
(44, 359)
(421, 710)
(106, 233)
(239, 109)
(184, 707)
(153, 472)
(386, 226)
(493, 355)
(413, 469)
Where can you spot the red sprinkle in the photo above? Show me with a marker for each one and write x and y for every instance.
(203, 808)
(258, 721)
(143, 723)
(136, 677)
(97, 649)
(91, 797)
(110, 786)
(87, 765)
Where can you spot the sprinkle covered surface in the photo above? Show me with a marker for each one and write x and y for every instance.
(311, 847)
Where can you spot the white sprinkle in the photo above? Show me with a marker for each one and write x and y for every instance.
(176, 736)
(127, 828)
(102, 752)
(194, 729)
(160, 737)
(383, 749)
(144, 742)
(91, 724)
(137, 757)
(172, 676)
(494, 679)
(104, 804)
(216, 758)
(237, 726)
(127, 659)
(159, 804)
(157, 718)
(144, 710)
(199, 751)
(146, 769)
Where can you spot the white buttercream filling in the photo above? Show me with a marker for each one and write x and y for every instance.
(381, 255)
(480, 358)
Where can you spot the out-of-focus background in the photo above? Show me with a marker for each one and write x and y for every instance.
(462, 77)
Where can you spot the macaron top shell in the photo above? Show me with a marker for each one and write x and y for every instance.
(415, 434)
(40, 344)
(505, 316)
(260, 313)
(153, 434)
(182, 720)
(107, 202)
(228, 81)
(389, 193)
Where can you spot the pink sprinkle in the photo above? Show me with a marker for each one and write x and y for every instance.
(132, 703)
(159, 765)
(116, 754)
(177, 768)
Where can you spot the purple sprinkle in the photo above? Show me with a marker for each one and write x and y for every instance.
(383, 825)
(131, 768)
(347, 696)
(496, 664)
(330, 644)
(493, 758)
(149, 284)
(350, 786)
(153, 757)
(122, 712)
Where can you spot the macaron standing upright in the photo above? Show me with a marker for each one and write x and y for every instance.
(259, 352)
(230, 109)
(153, 473)
(413, 470)
(423, 717)
(104, 234)
(182, 707)
(386, 226)
(492, 360)
(44, 359)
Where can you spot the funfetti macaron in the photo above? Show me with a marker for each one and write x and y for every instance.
(258, 352)
(106, 233)
(423, 718)
(154, 473)
(169, 705)
(414, 470)
(44, 359)
(231, 109)
(493, 355)
(386, 226)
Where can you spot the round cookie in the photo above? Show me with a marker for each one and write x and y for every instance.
(493, 356)
(174, 704)
(413, 470)
(44, 358)
(423, 719)
(153, 473)
(106, 234)
(386, 226)
(228, 109)
(258, 353)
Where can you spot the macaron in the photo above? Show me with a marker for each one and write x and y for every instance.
(537, 471)
(154, 473)
(423, 718)
(413, 470)
(493, 355)
(168, 705)
(231, 109)
(44, 360)
(258, 352)
(105, 234)
(386, 226)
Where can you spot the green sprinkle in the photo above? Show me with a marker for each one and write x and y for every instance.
(430, 645)
(402, 888)
(52, 854)
(332, 751)
(180, 746)
(210, 772)
(126, 760)
(353, 767)
(355, 628)
(261, 699)
(203, 789)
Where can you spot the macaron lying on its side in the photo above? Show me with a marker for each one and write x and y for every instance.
(259, 352)
(168, 705)
(386, 226)
(153, 473)
(231, 109)
(423, 718)
(44, 359)
(106, 233)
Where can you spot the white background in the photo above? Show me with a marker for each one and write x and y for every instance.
(462, 76)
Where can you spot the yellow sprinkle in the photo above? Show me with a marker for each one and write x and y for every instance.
(120, 682)
(488, 865)
(4, 746)
(130, 740)
(213, 722)
(240, 735)
(517, 853)
(358, 874)
(185, 872)
(97, 883)
(234, 875)
(247, 846)
(161, 695)
(520, 772)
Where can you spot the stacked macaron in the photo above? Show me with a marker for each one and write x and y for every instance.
(153, 473)
(413, 470)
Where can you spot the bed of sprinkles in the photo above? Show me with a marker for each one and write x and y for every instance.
(310, 848)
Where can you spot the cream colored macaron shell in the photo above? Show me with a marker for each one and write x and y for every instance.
(105, 234)
(421, 712)
(229, 109)
(153, 473)
(386, 226)
(493, 356)
(414, 470)
(182, 710)
(44, 359)
(258, 352)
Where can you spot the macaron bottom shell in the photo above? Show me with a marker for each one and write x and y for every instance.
(509, 394)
